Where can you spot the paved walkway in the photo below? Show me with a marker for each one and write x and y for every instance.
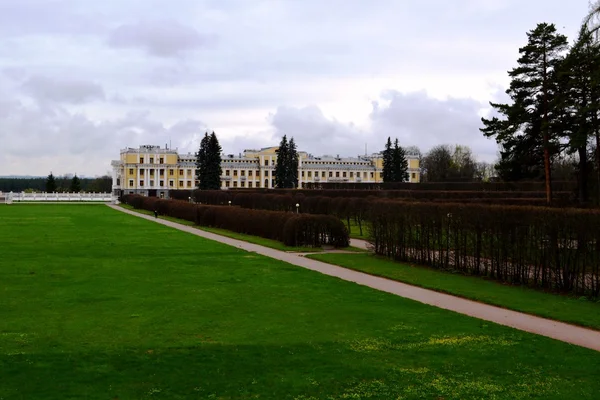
(525, 322)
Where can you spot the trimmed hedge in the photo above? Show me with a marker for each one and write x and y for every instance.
(549, 248)
(566, 186)
(296, 230)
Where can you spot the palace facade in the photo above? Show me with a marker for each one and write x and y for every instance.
(154, 171)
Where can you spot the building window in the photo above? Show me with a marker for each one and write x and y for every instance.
(243, 184)
(180, 183)
(344, 174)
(351, 174)
(272, 162)
(141, 172)
(189, 172)
(170, 172)
(235, 172)
(266, 183)
(189, 184)
(372, 175)
(141, 160)
(161, 160)
(130, 171)
(227, 184)
(250, 173)
(330, 174)
(131, 183)
(234, 183)
(162, 172)
(272, 183)
(250, 183)
(180, 172)
(243, 173)
(226, 172)
(381, 175)
(310, 174)
(414, 176)
(266, 163)
(151, 183)
(141, 183)
(170, 183)
(151, 160)
(337, 174)
(162, 183)
(151, 172)
(303, 174)
(322, 174)
(118, 182)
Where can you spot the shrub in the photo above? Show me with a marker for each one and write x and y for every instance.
(306, 230)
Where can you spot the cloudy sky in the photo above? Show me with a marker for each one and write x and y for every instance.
(82, 79)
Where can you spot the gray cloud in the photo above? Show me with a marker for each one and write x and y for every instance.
(158, 38)
(62, 90)
(304, 68)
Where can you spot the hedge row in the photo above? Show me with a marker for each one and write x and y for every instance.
(289, 228)
(540, 247)
(536, 186)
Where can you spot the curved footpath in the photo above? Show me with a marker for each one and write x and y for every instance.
(556, 330)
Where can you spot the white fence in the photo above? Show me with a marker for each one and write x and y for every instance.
(58, 197)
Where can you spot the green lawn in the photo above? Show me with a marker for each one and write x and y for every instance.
(97, 304)
(561, 308)
(355, 231)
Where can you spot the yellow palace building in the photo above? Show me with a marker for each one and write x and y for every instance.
(154, 171)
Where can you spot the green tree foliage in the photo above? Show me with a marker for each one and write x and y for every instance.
(75, 185)
(292, 162)
(532, 89)
(208, 163)
(395, 164)
(388, 163)
(50, 184)
(281, 165)
(400, 163)
(286, 168)
(446, 164)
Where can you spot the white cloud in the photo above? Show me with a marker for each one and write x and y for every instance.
(83, 79)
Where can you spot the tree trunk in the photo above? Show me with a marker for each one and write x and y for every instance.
(546, 133)
(583, 177)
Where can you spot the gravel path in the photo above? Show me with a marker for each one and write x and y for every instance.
(557, 330)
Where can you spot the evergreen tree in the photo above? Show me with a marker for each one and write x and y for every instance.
(75, 185)
(208, 163)
(579, 101)
(281, 166)
(400, 164)
(388, 162)
(50, 184)
(201, 162)
(292, 165)
(531, 91)
(213, 170)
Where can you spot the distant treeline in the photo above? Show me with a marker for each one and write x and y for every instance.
(101, 184)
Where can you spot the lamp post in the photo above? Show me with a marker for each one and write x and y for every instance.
(190, 199)
(297, 208)
(229, 202)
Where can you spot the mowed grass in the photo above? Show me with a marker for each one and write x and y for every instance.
(579, 311)
(97, 304)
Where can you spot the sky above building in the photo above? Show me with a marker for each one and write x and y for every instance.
(80, 80)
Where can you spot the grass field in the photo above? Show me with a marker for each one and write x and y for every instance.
(96, 304)
(579, 311)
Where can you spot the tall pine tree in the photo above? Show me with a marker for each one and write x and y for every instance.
(531, 91)
(281, 167)
(208, 163)
(400, 164)
(75, 185)
(50, 184)
(388, 161)
(292, 165)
